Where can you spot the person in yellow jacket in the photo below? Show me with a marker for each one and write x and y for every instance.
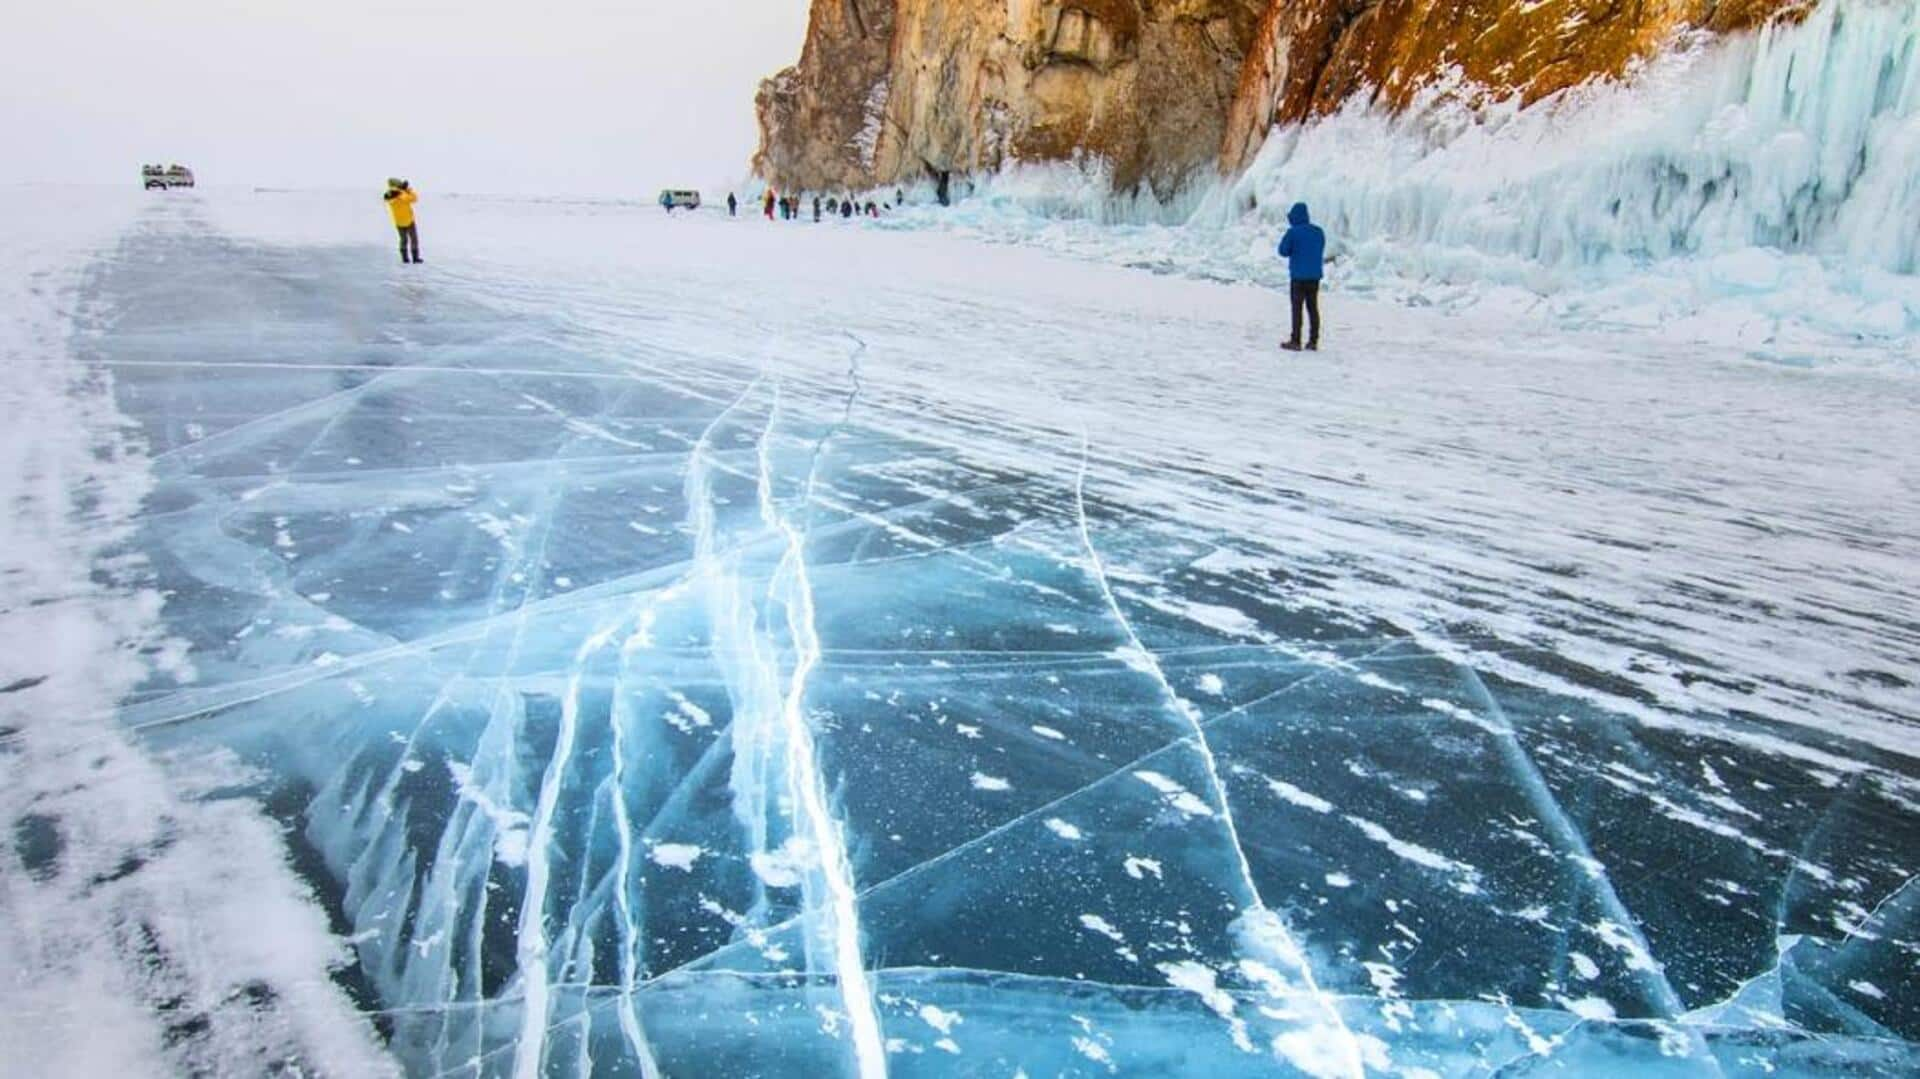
(400, 199)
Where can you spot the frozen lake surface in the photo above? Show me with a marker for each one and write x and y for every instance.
(700, 647)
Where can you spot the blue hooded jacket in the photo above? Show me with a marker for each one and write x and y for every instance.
(1304, 246)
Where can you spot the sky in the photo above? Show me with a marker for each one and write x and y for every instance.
(568, 97)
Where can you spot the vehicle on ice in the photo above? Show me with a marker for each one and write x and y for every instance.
(154, 176)
(671, 200)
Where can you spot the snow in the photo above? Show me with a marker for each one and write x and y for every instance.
(927, 690)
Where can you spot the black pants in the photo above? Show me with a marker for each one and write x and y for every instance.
(1306, 294)
(409, 242)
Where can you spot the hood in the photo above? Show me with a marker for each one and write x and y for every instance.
(1297, 215)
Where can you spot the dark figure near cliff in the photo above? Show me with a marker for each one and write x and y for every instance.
(1304, 247)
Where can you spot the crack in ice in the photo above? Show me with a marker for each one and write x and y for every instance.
(1260, 929)
(772, 734)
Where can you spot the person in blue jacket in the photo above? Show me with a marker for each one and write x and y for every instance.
(1304, 247)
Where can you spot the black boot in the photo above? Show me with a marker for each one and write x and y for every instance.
(1313, 345)
(1291, 346)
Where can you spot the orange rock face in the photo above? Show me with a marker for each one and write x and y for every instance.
(966, 86)
(893, 91)
(1310, 56)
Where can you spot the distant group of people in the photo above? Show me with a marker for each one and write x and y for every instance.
(792, 207)
(1304, 245)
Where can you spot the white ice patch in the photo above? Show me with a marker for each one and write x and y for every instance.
(1623, 941)
(685, 715)
(938, 1018)
(1176, 795)
(1048, 732)
(1413, 852)
(1103, 927)
(1584, 967)
(679, 856)
(785, 866)
(1590, 1008)
(1064, 830)
(1295, 796)
(1138, 868)
(1211, 685)
(1202, 981)
(1093, 1051)
(1318, 1051)
(984, 782)
(1465, 715)
(1368, 678)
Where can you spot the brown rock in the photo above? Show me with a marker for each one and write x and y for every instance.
(816, 117)
(1142, 85)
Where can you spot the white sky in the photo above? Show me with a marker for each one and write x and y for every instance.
(609, 97)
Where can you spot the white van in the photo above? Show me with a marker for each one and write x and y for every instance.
(671, 200)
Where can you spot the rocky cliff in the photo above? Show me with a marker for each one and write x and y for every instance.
(961, 86)
(819, 118)
(891, 91)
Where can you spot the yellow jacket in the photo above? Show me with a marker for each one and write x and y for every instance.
(401, 207)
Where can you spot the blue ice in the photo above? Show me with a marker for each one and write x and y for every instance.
(691, 724)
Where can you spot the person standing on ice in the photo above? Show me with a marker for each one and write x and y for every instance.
(400, 199)
(1304, 247)
(766, 205)
(733, 205)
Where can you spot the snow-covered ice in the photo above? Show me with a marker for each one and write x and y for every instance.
(707, 647)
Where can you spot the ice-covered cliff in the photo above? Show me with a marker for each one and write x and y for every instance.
(1750, 168)
(1781, 165)
(1801, 137)
(1312, 58)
